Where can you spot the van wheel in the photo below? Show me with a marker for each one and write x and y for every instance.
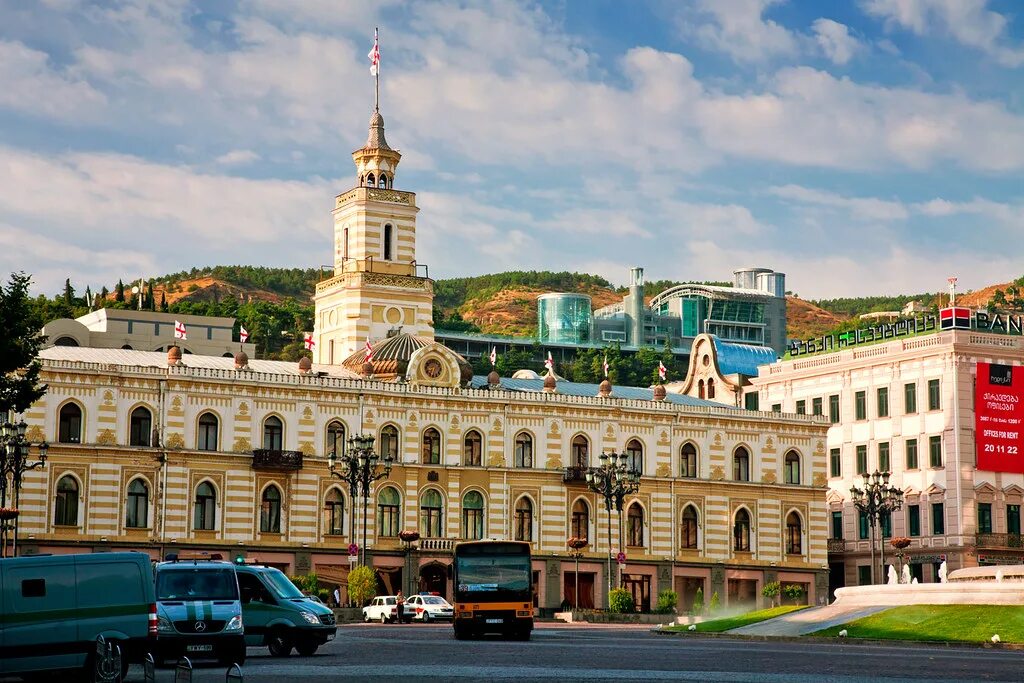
(383, 619)
(280, 644)
(307, 648)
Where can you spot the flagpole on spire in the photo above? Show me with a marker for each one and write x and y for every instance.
(375, 70)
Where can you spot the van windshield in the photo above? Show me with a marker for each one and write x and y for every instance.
(283, 588)
(200, 583)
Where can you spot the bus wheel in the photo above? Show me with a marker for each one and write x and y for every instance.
(524, 634)
(461, 633)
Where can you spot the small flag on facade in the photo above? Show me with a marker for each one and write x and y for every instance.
(243, 335)
(369, 352)
(604, 365)
(494, 355)
(958, 318)
(179, 330)
(662, 371)
(550, 363)
(308, 341)
(374, 56)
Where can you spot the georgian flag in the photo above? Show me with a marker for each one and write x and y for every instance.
(308, 341)
(179, 330)
(662, 371)
(494, 355)
(369, 352)
(550, 363)
(604, 366)
(243, 334)
(374, 56)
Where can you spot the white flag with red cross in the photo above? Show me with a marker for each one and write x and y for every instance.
(604, 366)
(179, 330)
(494, 355)
(369, 352)
(308, 341)
(243, 334)
(550, 363)
(662, 371)
(374, 55)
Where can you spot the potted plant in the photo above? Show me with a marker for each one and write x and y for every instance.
(409, 536)
(7, 514)
(576, 543)
(771, 591)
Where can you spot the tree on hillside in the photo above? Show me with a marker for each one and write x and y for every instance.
(69, 293)
(19, 348)
(163, 302)
(150, 301)
(119, 292)
(88, 297)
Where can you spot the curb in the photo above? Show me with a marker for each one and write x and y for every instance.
(845, 641)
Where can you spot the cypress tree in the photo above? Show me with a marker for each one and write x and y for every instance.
(119, 292)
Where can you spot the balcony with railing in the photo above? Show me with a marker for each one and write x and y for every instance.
(1000, 541)
(266, 459)
(438, 544)
(836, 546)
(574, 475)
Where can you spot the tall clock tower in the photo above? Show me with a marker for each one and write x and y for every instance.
(377, 285)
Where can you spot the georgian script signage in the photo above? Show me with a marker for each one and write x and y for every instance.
(999, 417)
(957, 318)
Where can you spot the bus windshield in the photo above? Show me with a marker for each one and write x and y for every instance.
(200, 583)
(484, 577)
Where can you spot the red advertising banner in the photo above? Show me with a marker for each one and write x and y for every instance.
(999, 417)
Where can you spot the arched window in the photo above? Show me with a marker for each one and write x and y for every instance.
(700, 389)
(389, 442)
(137, 513)
(65, 509)
(688, 461)
(273, 433)
(472, 447)
(580, 519)
(334, 512)
(688, 530)
(431, 513)
(711, 387)
(388, 240)
(794, 527)
(335, 437)
(580, 451)
(792, 468)
(209, 426)
(473, 516)
(431, 447)
(389, 504)
(140, 427)
(370, 180)
(69, 424)
(635, 525)
(741, 531)
(382, 182)
(635, 455)
(205, 514)
(66, 341)
(270, 510)
(741, 464)
(524, 519)
(524, 450)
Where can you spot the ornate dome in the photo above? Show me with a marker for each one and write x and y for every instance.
(660, 393)
(305, 364)
(391, 358)
(173, 355)
(241, 360)
(550, 383)
(604, 388)
(493, 378)
(376, 138)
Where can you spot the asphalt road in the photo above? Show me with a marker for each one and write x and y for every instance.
(578, 653)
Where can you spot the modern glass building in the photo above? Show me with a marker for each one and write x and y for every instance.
(563, 318)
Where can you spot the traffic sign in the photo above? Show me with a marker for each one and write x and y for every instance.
(621, 558)
(353, 549)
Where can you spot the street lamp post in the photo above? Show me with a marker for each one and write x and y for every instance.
(14, 462)
(613, 479)
(876, 500)
(576, 546)
(360, 466)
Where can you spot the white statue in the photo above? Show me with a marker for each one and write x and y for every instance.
(914, 581)
(942, 572)
(892, 576)
(999, 576)
(906, 574)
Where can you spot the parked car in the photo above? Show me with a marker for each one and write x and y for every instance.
(279, 616)
(52, 608)
(427, 608)
(383, 608)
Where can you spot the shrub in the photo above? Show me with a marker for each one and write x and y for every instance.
(771, 591)
(714, 605)
(793, 591)
(362, 585)
(307, 583)
(620, 600)
(698, 602)
(667, 601)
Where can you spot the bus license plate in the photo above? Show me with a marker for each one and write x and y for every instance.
(495, 621)
(199, 648)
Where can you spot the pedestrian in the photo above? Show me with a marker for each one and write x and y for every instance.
(400, 601)
(337, 596)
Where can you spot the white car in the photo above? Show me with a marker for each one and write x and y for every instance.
(427, 608)
(383, 608)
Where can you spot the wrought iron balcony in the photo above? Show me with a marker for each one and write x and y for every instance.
(574, 475)
(1000, 541)
(836, 545)
(278, 461)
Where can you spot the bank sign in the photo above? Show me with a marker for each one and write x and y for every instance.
(999, 417)
(955, 318)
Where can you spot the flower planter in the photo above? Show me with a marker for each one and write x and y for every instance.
(7, 514)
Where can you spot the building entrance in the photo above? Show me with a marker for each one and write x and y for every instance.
(640, 586)
(586, 589)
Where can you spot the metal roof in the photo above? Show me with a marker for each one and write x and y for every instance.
(590, 390)
(742, 359)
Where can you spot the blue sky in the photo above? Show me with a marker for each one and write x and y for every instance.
(863, 147)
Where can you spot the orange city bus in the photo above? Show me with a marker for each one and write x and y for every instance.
(493, 589)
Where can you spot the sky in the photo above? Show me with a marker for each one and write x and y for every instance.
(862, 147)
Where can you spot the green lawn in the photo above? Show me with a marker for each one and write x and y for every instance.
(720, 625)
(954, 623)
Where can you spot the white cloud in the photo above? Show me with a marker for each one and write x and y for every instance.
(835, 40)
(238, 157)
(867, 208)
(739, 29)
(969, 22)
(31, 85)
